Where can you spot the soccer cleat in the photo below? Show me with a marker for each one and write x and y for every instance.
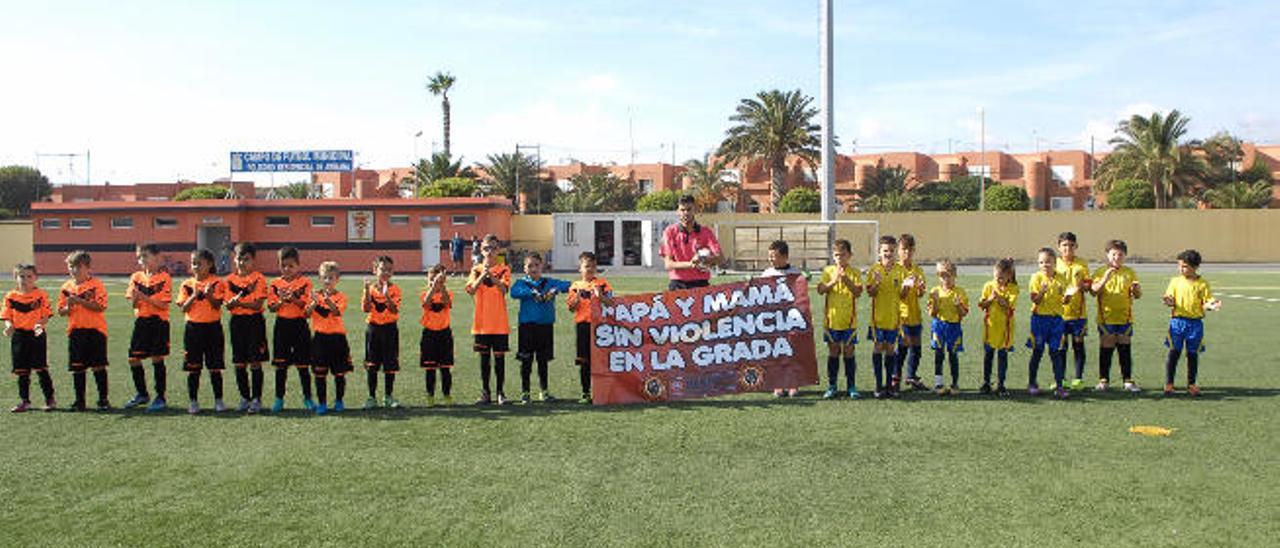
(448, 401)
(985, 388)
(585, 399)
(136, 400)
(879, 394)
(853, 393)
(391, 402)
(1002, 391)
(277, 406)
(321, 410)
(793, 392)
(370, 403)
(502, 399)
(916, 384)
(157, 405)
(1168, 389)
(954, 390)
(1132, 387)
(1061, 393)
(546, 397)
(940, 390)
(310, 405)
(484, 399)
(1193, 390)
(243, 406)
(830, 394)
(104, 405)
(525, 399)
(1077, 385)
(22, 407)
(431, 400)
(218, 406)
(339, 406)
(1033, 389)
(194, 408)
(1102, 386)
(255, 405)
(77, 407)
(779, 393)
(49, 405)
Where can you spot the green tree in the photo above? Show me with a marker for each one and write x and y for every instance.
(886, 190)
(299, 190)
(1150, 149)
(439, 85)
(801, 200)
(203, 192)
(440, 166)
(1131, 194)
(501, 175)
(959, 194)
(1007, 198)
(1240, 195)
(771, 127)
(708, 182)
(1223, 153)
(451, 187)
(20, 186)
(597, 192)
(662, 200)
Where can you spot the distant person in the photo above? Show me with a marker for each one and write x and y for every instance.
(455, 251)
(689, 250)
(475, 251)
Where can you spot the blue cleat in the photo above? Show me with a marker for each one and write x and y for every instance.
(339, 407)
(157, 405)
(321, 410)
(278, 406)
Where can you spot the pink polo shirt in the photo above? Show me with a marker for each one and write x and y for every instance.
(681, 245)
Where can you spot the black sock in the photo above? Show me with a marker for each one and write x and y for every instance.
(446, 380)
(937, 361)
(215, 380)
(161, 375)
(242, 382)
(526, 370)
(1126, 361)
(256, 378)
(100, 380)
(833, 369)
(500, 370)
(322, 388)
(1171, 365)
(913, 361)
(1193, 366)
(282, 380)
(193, 385)
(1033, 366)
(79, 381)
(429, 380)
(485, 373)
(46, 383)
(899, 362)
(988, 354)
(139, 379)
(24, 388)
(339, 387)
(389, 383)
(850, 371)
(371, 379)
(304, 379)
(877, 367)
(954, 359)
(542, 372)
(1002, 366)
(1077, 348)
(584, 377)
(1059, 359)
(1104, 363)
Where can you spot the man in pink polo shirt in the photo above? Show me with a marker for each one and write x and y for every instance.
(689, 250)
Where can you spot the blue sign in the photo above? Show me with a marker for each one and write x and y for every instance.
(293, 160)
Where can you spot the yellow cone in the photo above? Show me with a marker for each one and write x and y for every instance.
(1151, 430)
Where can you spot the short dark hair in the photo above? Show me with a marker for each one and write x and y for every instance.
(21, 267)
(149, 248)
(908, 241)
(1191, 257)
(1048, 250)
(1067, 237)
(533, 255)
(781, 247)
(79, 257)
(844, 245)
(1117, 244)
(384, 259)
(288, 252)
(686, 199)
(888, 240)
(203, 255)
(245, 248)
(587, 256)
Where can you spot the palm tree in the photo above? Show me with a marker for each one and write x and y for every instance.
(1240, 195)
(707, 182)
(1149, 149)
(440, 166)
(770, 127)
(886, 190)
(439, 84)
(505, 169)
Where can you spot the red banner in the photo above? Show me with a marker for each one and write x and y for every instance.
(747, 336)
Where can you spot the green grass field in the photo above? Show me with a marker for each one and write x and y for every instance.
(748, 470)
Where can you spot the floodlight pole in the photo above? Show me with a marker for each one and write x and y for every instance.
(982, 155)
(828, 119)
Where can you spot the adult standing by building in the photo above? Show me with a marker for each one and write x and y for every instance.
(689, 250)
(455, 251)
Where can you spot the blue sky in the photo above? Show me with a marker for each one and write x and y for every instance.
(161, 90)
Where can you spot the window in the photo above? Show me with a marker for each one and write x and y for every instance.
(463, 219)
(122, 222)
(980, 171)
(322, 220)
(81, 224)
(399, 220)
(1063, 174)
(1062, 204)
(166, 222)
(211, 220)
(646, 186)
(157, 198)
(277, 220)
(570, 235)
(50, 224)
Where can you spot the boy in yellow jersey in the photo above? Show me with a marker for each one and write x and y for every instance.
(909, 310)
(841, 284)
(884, 283)
(25, 313)
(150, 292)
(83, 300)
(1048, 294)
(1116, 286)
(998, 302)
(1075, 315)
(1189, 296)
(948, 305)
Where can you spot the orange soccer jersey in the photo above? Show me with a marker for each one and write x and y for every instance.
(329, 320)
(582, 292)
(158, 286)
(298, 288)
(25, 310)
(80, 317)
(435, 314)
(250, 288)
(381, 313)
(491, 305)
(202, 311)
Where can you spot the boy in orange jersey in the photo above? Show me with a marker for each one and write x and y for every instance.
(330, 352)
(26, 311)
(436, 346)
(381, 305)
(246, 294)
(488, 284)
(288, 297)
(584, 290)
(204, 347)
(150, 292)
(83, 300)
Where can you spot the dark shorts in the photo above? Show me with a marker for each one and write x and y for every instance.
(1046, 330)
(29, 351)
(1185, 333)
(583, 331)
(839, 336)
(332, 352)
(382, 347)
(687, 284)
(492, 343)
(204, 346)
(883, 336)
(86, 349)
(947, 336)
(536, 340)
(912, 330)
(435, 350)
(248, 339)
(291, 340)
(150, 338)
(1075, 328)
(1117, 329)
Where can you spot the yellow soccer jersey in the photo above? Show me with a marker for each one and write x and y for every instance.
(947, 303)
(842, 311)
(909, 309)
(886, 300)
(1075, 274)
(1189, 296)
(1050, 290)
(1115, 304)
(998, 328)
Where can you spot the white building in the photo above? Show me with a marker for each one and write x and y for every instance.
(621, 240)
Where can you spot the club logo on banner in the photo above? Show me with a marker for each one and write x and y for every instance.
(747, 336)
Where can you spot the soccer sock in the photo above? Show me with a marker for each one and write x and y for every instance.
(139, 378)
(987, 356)
(485, 373)
(24, 387)
(46, 383)
(584, 376)
(304, 379)
(1077, 348)
(100, 379)
(242, 382)
(1126, 361)
(193, 384)
(371, 379)
(833, 369)
(1171, 365)
(446, 380)
(1002, 366)
(500, 370)
(542, 373)
(215, 380)
(850, 370)
(937, 362)
(1059, 359)
(256, 378)
(954, 359)
(877, 367)
(322, 388)
(1104, 362)
(78, 380)
(429, 380)
(389, 383)
(339, 387)
(1193, 366)
(899, 361)
(282, 380)
(526, 369)
(1033, 367)
(161, 378)
(913, 360)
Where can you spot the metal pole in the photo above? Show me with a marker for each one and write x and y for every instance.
(982, 155)
(87, 168)
(517, 177)
(827, 115)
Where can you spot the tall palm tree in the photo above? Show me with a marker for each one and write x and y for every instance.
(707, 182)
(770, 127)
(439, 84)
(506, 169)
(1149, 149)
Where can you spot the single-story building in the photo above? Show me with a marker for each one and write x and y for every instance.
(623, 240)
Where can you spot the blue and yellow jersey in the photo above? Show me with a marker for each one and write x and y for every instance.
(998, 321)
(885, 302)
(1115, 303)
(909, 309)
(1050, 289)
(842, 311)
(947, 303)
(1189, 296)
(1076, 274)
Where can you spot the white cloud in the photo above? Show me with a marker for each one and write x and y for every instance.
(598, 84)
(1101, 130)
